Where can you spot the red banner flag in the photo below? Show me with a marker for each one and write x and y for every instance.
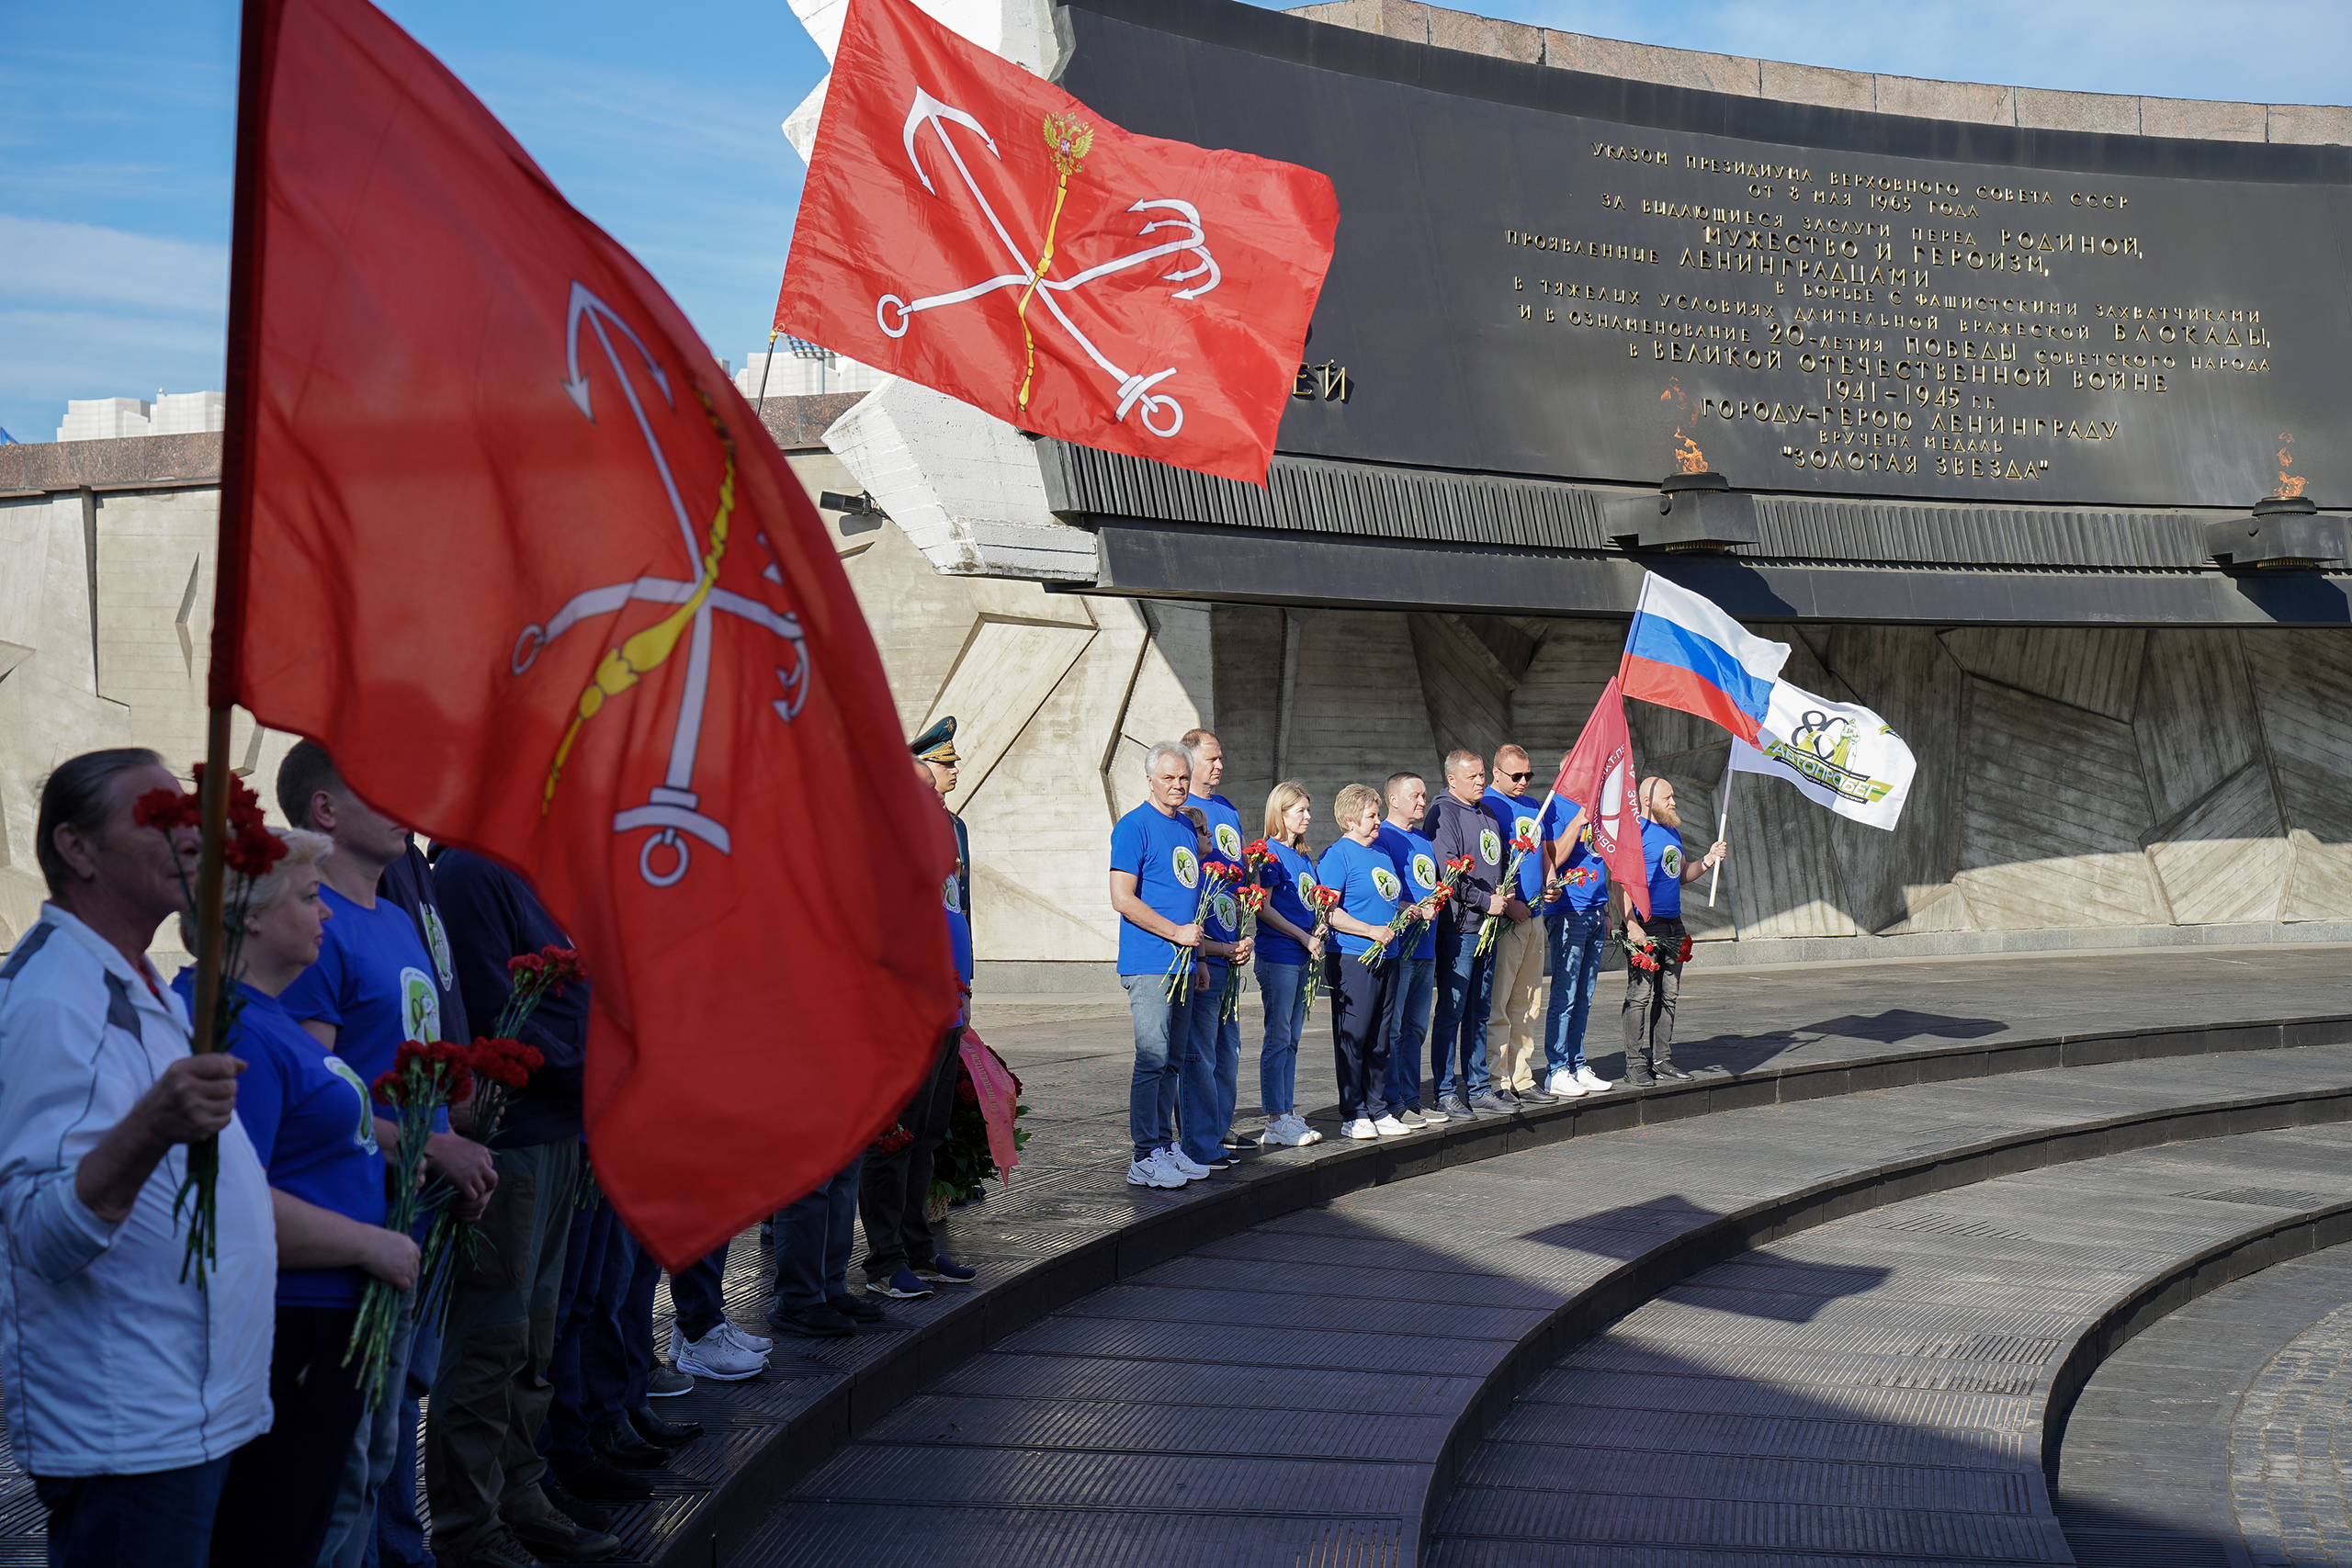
(1599, 775)
(974, 228)
(498, 532)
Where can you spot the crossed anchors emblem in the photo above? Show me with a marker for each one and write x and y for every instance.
(672, 809)
(1068, 139)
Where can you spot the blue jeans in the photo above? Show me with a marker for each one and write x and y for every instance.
(400, 1537)
(1575, 937)
(1209, 1082)
(161, 1519)
(813, 1242)
(1465, 995)
(699, 1293)
(1408, 1025)
(589, 1367)
(1283, 987)
(376, 1491)
(1163, 1043)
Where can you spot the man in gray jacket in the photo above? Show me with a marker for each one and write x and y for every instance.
(127, 1386)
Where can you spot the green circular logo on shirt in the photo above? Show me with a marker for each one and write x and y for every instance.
(365, 1133)
(1229, 841)
(420, 1005)
(1229, 914)
(1385, 881)
(1670, 860)
(949, 893)
(1490, 845)
(1425, 870)
(437, 941)
(1307, 889)
(1188, 866)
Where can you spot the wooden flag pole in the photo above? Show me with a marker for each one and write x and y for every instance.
(768, 363)
(1723, 826)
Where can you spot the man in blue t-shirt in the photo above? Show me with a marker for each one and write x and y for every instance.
(1155, 887)
(1650, 994)
(374, 986)
(1209, 1085)
(1370, 891)
(1519, 948)
(1575, 921)
(1415, 987)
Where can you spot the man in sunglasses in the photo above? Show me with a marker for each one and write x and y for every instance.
(1514, 1027)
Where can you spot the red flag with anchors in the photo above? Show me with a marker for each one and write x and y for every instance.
(500, 533)
(974, 228)
(1599, 775)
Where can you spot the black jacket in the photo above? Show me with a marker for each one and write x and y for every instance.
(493, 916)
(1453, 828)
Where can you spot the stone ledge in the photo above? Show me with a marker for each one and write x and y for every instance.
(132, 462)
(1976, 102)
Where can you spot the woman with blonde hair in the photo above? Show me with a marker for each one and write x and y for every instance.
(312, 1122)
(1286, 945)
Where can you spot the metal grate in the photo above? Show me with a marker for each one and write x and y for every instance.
(2266, 1198)
(1953, 1225)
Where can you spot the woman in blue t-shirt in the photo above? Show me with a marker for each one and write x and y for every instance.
(1286, 945)
(310, 1121)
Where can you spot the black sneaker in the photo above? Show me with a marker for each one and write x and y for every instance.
(552, 1538)
(1535, 1097)
(616, 1443)
(1638, 1080)
(1456, 1108)
(1667, 1071)
(587, 1515)
(663, 1434)
(598, 1480)
(858, 1309)
(812, 1323)
(1494, 1102)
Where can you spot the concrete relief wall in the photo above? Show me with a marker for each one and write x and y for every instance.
(105, 625)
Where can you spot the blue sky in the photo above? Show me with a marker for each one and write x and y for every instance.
(662, 124)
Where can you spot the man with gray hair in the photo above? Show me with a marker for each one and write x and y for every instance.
(1155, 887)
(128, 1386)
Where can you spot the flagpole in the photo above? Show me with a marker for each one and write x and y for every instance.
(768, 363)
(257, 59)
(1723, 826)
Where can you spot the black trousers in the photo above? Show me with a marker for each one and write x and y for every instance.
(281, 1488)
(895, 1186)
(1648, 1013)
(1359, 1007)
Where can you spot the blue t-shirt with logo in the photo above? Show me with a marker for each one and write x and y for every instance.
(1224, 837)
(374, 982)
(309, 1117)
(1662, 852)
(1288, 879)
(1162, 853)
(1584, 897)
(1511, 811)
(1368, 886)
(959, 929)
(1415, 861)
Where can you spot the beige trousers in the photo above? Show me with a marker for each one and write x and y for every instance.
(1515, 1026)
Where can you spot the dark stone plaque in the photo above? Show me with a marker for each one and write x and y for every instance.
(1543, 272)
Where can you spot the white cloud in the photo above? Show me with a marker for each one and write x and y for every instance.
(42, 260)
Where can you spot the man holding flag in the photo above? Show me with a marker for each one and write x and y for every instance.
(1657, 947)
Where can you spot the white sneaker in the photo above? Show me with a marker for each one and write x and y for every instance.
(746, 1338)
(1361, 1127)
(1414, 1119)
(1389, 1127)
(1593, 1082)
(717, 1356)
(1194, 1170)
(1149, 1172)
(1282, 1131)
(1565, 1084)
(1301, 1133)
(1434, 1117)
(1174, 1164)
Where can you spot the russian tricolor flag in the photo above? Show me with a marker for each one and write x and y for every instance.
(1685, 653)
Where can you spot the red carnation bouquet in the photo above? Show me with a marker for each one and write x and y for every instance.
(251, 853)
(1214, 874)
(1643, 954)
(1522, 844)
(1250, 894)
(425, 1078)
(1322, 900)
(1409, 920)
(500, 1066)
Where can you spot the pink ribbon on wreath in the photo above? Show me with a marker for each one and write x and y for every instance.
(999, 1092)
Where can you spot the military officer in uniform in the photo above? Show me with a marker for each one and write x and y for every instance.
(935, 749)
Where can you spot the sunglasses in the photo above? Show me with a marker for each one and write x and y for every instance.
(1519, 778)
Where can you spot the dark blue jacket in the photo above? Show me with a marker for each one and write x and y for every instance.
(493, 916)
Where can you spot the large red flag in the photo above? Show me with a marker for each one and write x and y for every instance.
(1599, 775)
(974, 228)
(499, 533)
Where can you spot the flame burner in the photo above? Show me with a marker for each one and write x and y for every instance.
(1697, 511)
(2284, 533)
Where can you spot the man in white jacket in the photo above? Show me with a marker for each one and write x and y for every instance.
(127, 1388)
